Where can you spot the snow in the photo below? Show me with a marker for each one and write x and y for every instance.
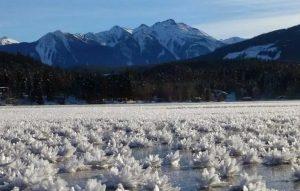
(6, 41)
(48, 46)
(161, 54)
(114, 146)
(113, 36)
(62, 36)
(179, 39)
(260, 52)
(141, 35)
(169, 34)
(128, 30)
(46, 49)
(173, 35)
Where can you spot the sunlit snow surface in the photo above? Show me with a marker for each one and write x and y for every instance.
(64, 147)
(263, 52)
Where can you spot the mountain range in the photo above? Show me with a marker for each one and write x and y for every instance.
(145, 45)
(162, 42)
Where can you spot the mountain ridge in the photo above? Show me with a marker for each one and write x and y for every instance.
(281, 45)
(145, 45)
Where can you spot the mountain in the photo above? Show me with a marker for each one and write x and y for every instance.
(233, 40)
(5, 41)
(162, 42)
(282, 45)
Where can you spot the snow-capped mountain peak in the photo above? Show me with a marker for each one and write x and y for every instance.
(142, 30)
(119, 31)
(142, 26)
(6, 41)
(113, 36)
(166, 22)
(58, 33)
(178, 28)
(128, 30)
(47, 47)
(178, 36)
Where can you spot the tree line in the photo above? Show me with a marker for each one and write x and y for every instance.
(180, 81)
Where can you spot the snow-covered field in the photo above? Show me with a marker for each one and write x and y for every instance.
(224, 146)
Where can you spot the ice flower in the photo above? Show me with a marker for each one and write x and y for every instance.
(173, 159)
(51, 184)
(250, 183)
(39, 175)
(96, 158)
(276, 157)
(152, 161)
(49, 154)
(84, 146)
(228, 167)
(250, 157)
(155, 183)
(209, 179)
(139, 142)
(36, 147)
(94, 185)
(6, 160)
(203, 160)
(165, 137)
(38, 171)
(201, 146)
(95, 139)
(73, 165)
(67, 150)
(184, 144)
(296, 172)
(121, 188)
(127, 176)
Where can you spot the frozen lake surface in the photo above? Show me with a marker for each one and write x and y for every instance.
(220, 146)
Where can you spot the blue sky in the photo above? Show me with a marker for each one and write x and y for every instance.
(27, 20)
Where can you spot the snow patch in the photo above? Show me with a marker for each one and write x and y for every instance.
(60, 35)
(6, 41)
(263, 52)
(113, 36)
(174, 35)
(161, 54)
(46, 49)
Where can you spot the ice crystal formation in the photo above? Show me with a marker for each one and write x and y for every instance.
(42, 148)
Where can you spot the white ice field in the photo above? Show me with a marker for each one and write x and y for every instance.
(224, 146)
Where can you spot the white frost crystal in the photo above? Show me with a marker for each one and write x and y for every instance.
(37, 144)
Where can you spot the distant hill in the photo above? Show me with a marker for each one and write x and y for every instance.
(282, 45)
(233, 40)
